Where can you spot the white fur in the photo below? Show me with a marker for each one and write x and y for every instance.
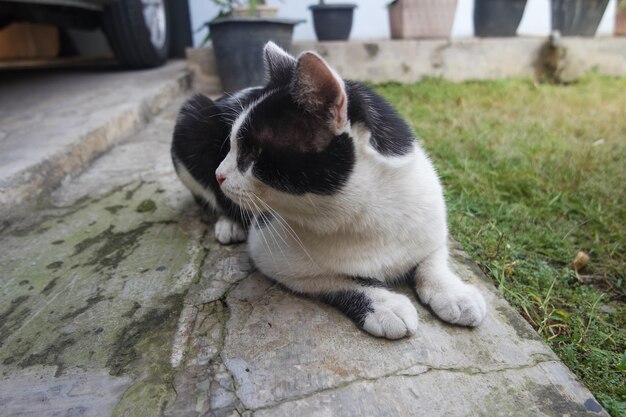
(228, 231)
(275, 56)
(387, 219)
(393, 317)
(194, 186)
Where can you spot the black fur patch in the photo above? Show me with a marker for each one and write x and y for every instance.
(369, 282)
(232, 105)
(390, 134)
(354, 304)
(313, 172)
(279, 70)
(408, 278)
(200, 144)
(293, 151)
(262, 221)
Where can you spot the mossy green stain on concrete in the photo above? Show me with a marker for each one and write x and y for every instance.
(98, 284)
(552, 402)
(55, 265)
(124, 348)
(148, 341)
(12, 316)
(522, 328)
(114, 209)
(116, 246)
(130, 193)
(98, 297)
(146, 206)
(130, 313)
(49, 286)
(145, 399)
(51, 355)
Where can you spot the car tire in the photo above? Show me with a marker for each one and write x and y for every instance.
(138, 32)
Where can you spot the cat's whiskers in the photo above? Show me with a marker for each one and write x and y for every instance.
(268, 223)
(286, 227)
(273, 232)
(244, 214)
(281, 221)
(269, 248)
(284, 224)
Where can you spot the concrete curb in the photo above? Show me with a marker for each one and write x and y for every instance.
(410, 60)
(26, 187)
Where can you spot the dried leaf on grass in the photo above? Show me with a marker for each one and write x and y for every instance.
(579, 263)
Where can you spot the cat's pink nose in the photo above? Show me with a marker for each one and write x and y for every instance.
(220, 178)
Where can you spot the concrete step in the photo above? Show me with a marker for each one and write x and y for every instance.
(117, 301)
(53, 124)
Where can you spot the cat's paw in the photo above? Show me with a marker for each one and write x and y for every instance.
(228, 231)
(393, 316)
(462, 305)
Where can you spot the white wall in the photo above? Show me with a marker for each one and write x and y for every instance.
(537, 19)
(371, 20)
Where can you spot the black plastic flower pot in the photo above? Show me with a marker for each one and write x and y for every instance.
(577, 17)
(238, 47)
(332, 22)
(497, 18)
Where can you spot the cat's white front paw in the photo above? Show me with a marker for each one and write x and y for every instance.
(393, 315)
(228, 231)
(462, 304)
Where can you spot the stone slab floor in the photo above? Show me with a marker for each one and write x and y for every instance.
(115, 300)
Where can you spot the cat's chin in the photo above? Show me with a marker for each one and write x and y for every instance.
(240, 198)
(236, 197)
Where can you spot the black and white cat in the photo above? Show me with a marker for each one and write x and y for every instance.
(337, 198)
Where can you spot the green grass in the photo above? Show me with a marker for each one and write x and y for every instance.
(534, 174)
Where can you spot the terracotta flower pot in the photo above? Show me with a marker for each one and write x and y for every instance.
(620, 21)
(421, 18)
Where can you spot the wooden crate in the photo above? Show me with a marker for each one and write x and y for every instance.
(28, 41)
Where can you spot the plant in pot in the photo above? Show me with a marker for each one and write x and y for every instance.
(620, 19)
(239, 33)
(332, 22)
(497, 18)
(577, 17)
(421, 18)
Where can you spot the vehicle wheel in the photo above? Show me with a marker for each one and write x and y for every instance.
(138, 31)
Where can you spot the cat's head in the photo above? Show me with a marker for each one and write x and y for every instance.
(292, 142)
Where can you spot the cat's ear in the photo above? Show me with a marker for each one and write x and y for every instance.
(320, 90)
(279, 65)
